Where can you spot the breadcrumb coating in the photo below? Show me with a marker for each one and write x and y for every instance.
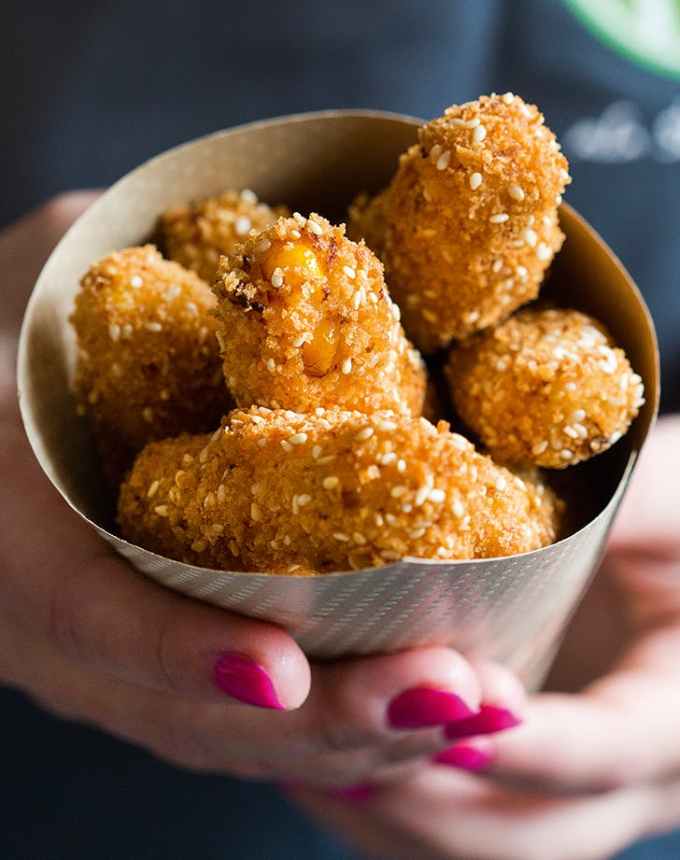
(197, 234)
(367, 220)
(148, 362)
(306, 321)
(284, 492)
(470, 218)
(548, 387)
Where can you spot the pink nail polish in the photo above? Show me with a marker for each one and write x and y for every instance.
(354, 793)
(243, 679)
(465, 756)
(488, 721)
(421, 707)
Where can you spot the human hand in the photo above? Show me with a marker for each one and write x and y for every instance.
(92, 640)
(589, 771)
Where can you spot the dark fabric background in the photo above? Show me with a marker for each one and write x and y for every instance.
(89, 90)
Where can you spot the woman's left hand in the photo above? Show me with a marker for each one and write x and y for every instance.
(588, 772)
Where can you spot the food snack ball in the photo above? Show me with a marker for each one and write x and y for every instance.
(547, 387)
(148, 361)
(197, 234)
(284, 492)
(306, 321)
(470, 218)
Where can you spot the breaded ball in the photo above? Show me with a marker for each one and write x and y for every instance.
(196, 235)
(284, 492)
(148, 361)
(306, 321)
(470, 218)
(547, 386)
(367, 221)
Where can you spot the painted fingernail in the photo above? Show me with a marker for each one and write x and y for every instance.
(242, 678)
(421, 707)
(354, 793)
(489, 720)
(465, 757)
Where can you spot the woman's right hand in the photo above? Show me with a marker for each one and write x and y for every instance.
(93, 640)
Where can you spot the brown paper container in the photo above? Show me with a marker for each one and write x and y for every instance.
(511, 609)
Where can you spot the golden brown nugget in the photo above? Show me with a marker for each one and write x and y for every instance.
(547, 387)
(196, 235)
(284, 492)
(306, 321)
(367, 221)
(470, 218)
(148, 360)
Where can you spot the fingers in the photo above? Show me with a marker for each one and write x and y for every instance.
(621, 731)
(112, 620)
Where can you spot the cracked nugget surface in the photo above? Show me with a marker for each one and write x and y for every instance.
(148, 361)
(548, 387)
(284, 492)
(306, 321)
(470, 218)
(197, 234)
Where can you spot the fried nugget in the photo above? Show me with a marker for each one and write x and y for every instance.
(470, 218)
(547, 386)
(148, 361)
(284, 492)
(306, 321)
(196, 235)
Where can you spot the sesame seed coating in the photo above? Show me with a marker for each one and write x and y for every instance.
(548, 387)
(148, 361)
(197, 234)
(444, 223)
(351, 507)
(306, 321)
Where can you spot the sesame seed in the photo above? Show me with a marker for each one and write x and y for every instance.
(389, 555)
(153, 489)
(516, 192)
(581, 431)
(303, 499)
(136, 281)
(530, 237)
(522, 272)
(499, 218)
(364, 434)
(436, 151)
(154, 326)
(191, 307)
(566, 454)
(341, 536)
(501, 484)
(429, 315)
(479, 134)
(349, 271)
(161, 510)
(398, 491)
(401, 466)
(358, 538)
(373, 472)
(242, 226)
(249, 196)
(442, 552)
(437, 495)
(416, 533)
(473, 123)
(379, 521)
(114, 331)
(458, 508)
(172, 292)
(315, 228)
(422, 496)
(497, 266)
(301, 220)
(471, 317)
(543, 252)
(388, 426)
(271, 365)
(147, 414)
(539, 447)
(324, 461)
(255, 512)
(331, 482)
(316, 452)
(298, 439)
(262, 246)
(508, 98)
(199, 545)
(346, 366)
(277, 278)
(475, 180)
(570, 431)
(396, 312)
(443, 160)
(388, 458)
(391, 520)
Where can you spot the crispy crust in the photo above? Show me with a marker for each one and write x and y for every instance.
(470, 218)
(197, 234)
(547, 387)
(306, 321)
(148, 361)
(284, 492)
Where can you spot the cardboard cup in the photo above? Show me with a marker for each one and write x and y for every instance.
(510, 609)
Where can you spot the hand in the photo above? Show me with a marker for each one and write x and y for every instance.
(588, 772)
(93, 640)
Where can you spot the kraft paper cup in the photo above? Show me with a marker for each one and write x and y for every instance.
(510, 609)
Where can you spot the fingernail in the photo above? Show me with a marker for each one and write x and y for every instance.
(421, 707)
(489, 720)
(354, 793)
(466, 757)
(243, 679)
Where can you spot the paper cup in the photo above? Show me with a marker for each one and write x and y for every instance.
(510, 609)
